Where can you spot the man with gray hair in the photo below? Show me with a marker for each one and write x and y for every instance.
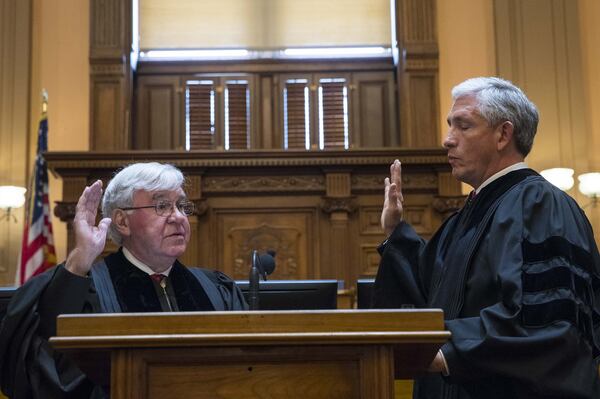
(516, 270)
(146, 213)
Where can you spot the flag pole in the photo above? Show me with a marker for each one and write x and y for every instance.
(37, 248)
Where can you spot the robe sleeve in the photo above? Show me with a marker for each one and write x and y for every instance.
(29, 367)
(230, 292)
(398, 283)
(542, 334)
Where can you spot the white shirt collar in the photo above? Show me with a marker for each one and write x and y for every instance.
(140, 265)
(505, 171)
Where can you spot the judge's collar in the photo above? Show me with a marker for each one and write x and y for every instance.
(505, 171)
(141, 265)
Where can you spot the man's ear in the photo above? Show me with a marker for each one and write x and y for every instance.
(121, 222)
(505, 135)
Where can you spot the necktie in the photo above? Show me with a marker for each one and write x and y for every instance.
(471, 197)
(161, 279)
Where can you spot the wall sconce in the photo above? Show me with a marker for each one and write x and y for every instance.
(589, 185)
(560, 177)
(11, 197)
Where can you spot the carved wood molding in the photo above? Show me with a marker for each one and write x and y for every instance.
(212, 173)
(417, 72)
(418, 23)
(108, 69)
(247, 238)
(65, 211)
(448, 205)
(200, 207)
(196, 161)
(421, 64)
(315, 208)
(369, 182)
(225, 184)
(110, 28)
(330, 205)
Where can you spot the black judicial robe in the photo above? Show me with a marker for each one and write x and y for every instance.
(30, 368)
(517, 273)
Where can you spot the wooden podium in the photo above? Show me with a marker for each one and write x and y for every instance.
(264, 354)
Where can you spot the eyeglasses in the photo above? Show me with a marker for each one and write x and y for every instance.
(166, 208)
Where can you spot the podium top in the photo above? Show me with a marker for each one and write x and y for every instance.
(250, 328)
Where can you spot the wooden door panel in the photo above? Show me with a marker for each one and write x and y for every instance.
(284, 231)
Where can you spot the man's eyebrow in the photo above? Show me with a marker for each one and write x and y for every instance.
(164, 196)
(457, 119)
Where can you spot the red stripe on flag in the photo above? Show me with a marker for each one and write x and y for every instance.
(38, 219)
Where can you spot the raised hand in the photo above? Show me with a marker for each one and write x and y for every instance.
(391, 214)
(89, 238)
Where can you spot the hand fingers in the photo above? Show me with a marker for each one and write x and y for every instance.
(95, 193)
(81, 203)
(386, 190)
(396, 177)
(393, 195)
(396, 172)
(87, 205)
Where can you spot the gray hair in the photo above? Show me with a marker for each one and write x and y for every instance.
(152, 176)
(499, 101)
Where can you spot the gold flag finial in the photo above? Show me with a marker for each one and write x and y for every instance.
(44, 101)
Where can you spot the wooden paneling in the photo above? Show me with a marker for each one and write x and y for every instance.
(109, 27)
(286, 231)
(319, 210)
(417, 72)
(105, 116)
(161, 110)
(320, 379)
(15, 61)
(416, 108)
(374, 110)
(111, 41)
(310, 355)
(423, 106)
(160, 114)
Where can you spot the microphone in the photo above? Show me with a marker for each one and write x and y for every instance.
(262, 265)
(266, 263)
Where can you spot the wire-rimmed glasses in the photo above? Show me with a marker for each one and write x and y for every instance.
(165, 208)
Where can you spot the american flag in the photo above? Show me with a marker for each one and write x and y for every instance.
(37, 250)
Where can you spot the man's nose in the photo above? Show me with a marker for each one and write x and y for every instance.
(449, 140)
(176, 213)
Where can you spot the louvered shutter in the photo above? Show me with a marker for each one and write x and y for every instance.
(200, 124)
(333, 116)
(296, 113)
(237, 115)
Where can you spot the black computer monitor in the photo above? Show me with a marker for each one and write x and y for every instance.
(6, 294)
(294, 294)
(364, 293)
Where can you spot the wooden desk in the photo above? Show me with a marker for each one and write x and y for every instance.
(266, 354)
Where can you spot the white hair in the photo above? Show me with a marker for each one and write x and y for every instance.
(499, 101)
(151, 176)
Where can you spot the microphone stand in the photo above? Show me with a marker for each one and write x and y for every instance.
(253, 282)
(262, 265)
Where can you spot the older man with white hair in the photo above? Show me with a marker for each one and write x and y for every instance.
(145, 211)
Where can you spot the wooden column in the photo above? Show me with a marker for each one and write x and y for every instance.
(110, 74)
(15, 64)
(417, 73)
(339, 204)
